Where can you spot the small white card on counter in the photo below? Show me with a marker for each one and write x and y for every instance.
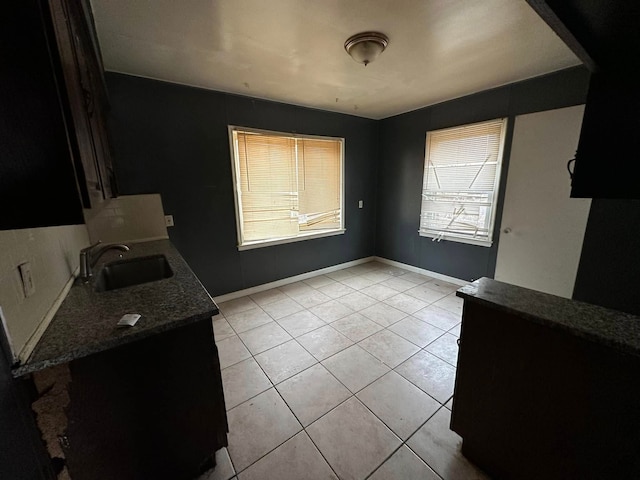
(128, 320)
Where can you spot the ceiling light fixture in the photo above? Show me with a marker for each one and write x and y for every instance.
(366, 46)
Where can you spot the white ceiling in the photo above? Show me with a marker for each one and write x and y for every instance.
(292, 50)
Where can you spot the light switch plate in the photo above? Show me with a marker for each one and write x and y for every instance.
(168, 220)
(360, 204)
(28, 287)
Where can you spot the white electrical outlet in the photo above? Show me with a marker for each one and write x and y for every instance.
(28, 286)
(168, 220)
(360, 203)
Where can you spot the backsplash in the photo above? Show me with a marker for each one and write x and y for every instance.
(127, 218)
(53, 255)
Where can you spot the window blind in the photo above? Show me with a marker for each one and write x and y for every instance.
(286, 185)
(460, 182)
(319, 184)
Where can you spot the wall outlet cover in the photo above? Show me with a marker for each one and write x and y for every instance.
(168, 220)
(28, 286)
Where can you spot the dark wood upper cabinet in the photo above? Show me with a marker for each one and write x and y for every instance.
(54, 151)
(605, 35)
(609, 147)
(86, 95)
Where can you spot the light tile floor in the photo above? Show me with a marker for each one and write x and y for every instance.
(347, 375)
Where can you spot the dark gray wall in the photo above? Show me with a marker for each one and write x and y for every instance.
(609, 270)
(402, 149)
(173, 140)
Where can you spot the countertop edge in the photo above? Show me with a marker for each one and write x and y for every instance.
(591, 322)
(108, 345)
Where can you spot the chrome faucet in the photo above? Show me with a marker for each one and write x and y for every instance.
(90, 255)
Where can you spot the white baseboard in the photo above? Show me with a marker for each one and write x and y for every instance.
(422, 271)
(285, 281)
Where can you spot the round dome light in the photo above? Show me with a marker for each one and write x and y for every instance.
(365, 47)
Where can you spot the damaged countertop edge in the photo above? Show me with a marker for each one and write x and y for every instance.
(85, 323)
(608, 327)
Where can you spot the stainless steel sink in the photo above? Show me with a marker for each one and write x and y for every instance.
(134, 271)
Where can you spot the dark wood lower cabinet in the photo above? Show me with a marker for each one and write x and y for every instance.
(150, 409)
(534, 402)
(22, 453)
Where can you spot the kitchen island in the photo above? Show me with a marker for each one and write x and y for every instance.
(134, 402)
(546, 387)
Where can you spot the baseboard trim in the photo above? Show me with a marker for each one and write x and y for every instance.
(422, 271)
(285, 281)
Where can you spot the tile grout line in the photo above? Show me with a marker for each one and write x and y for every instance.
(337, 299)
(303, 428)
(355, 343)
(291, 411)
(336, 353)
(404, 444)
(317, 361)
(330, 324)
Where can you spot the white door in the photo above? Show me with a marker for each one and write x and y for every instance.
(542, 228)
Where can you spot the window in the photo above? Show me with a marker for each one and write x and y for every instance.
(460, 182)
(287, 187)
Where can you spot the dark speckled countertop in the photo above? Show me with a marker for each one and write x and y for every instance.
(86, 321)
(602, 325)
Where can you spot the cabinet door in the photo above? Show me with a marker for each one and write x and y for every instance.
(609, 139)
(37, 182)
(22, 456)
(150, 409)
(92, 80)
(86, 97)
(77, 97)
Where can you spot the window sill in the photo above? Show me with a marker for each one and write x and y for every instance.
(281, 241)
(449, 238)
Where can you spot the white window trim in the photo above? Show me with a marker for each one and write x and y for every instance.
(283, 240)
(235, 168)
(463, 238)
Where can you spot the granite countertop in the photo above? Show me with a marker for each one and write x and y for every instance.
(86, 321)
(602, 325)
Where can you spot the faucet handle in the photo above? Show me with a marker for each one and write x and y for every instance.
(85, 267)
